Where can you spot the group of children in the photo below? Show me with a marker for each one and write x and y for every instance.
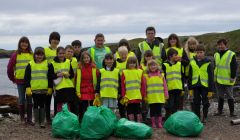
(121, 83)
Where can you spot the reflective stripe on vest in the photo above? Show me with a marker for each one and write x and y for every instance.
(109, 83)
(79, 79)
(155, 89)
(199, 73)
(222, 72)
(39, 79)
(157, 51)
(63, 67)
(133, 83)
(22, 61)
(50, 54)
(173, 76)
(121, 66)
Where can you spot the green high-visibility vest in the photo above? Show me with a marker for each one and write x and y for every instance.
(63, 67)
(39, 71)
(109, 83)
(133, 83)
(222, 71)
(155, 89)
(157, 51)
(199, 73)
(174, 76)
(21, 63)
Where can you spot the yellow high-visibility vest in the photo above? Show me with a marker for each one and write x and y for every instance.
(179, 50)
(130, 54)
(50, 54)
(109, 83)
(174, 76)
(121, 66)
(222, 71)
(133, 83)
(39, 71)
(21, 63)
(63, 67)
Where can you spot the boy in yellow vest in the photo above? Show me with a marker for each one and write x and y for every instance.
(200, 82)
(174, 76)
(225, 75)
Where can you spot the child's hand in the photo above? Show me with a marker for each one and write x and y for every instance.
(60, 74)
(29, 91)
(66, 74)
(209, 95)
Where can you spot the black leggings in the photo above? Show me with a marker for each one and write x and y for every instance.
(38, 100)
(133, 108)
(84, 104)
(155, 109)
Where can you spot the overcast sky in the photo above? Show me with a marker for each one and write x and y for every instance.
(82, 19)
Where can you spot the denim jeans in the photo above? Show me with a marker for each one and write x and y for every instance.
(22, 95)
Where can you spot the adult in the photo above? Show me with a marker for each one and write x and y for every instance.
(99, 50)
(151, 43)
(225, 75)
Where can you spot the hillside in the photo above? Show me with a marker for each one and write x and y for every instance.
(5, 53)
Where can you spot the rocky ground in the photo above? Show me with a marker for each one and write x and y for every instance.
(217, 128)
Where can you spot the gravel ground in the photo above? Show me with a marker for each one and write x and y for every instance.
(217, 128)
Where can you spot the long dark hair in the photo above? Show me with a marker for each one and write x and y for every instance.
(178, 45)
(26, 40)
(109, 56)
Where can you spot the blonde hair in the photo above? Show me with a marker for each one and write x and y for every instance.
(186, 47)
(151, 62)
(122, 49)
(131, 60)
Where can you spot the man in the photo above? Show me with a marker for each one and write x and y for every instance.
(225, 76)
(99, 50)
(151, 43)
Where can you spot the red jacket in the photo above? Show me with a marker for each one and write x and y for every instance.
(86, 87)
(11, 69)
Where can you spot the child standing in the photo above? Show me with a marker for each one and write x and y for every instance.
(148, 55)
(86, 80)
(124, 42)
(61, 69)
(157, 92)
(38, 83)
(16, 70)
(69, 50)
(201, 81)
(108, 83)
(133, 89)
(174, 76)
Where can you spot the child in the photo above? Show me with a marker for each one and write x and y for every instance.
(174, 76)
(148, 55)
(77, 45)
(69, 50)
(108, 83)
(61, 69)
(174, 42)
(16, 70)
(121, 65)
(38, 83)
(124, 42)
(86, 80)
(201, 81)
(133, 89)
(157, 92)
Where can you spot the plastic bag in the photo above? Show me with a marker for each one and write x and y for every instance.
(184, 123)
(97, 123)
(65, 124)
(130, 129)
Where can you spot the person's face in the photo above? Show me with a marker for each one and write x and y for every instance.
(54, 43)
(109, 62)
(61, 55)
(99, 42)
(192, 45)
(123, 55)
(69, 53)
(39, 58)
(222, 46)
(153, 67)
(147, 58)
(200, 54)
(132, 65)
(77, 49)
(174, 58)
(24, 46)
(173, 41)
(86, 59)
(150, 35)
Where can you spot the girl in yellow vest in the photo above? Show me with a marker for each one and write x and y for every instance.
(157, 92)
(148, 55)
(133, 89)
(201, 82)
(174, 43)
(39, 84)
(108, 83)
(121, 65)
(174, 76)
(86, 80)
(61, 72)
(16, 70)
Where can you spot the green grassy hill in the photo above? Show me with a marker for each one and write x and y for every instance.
(208, 39)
